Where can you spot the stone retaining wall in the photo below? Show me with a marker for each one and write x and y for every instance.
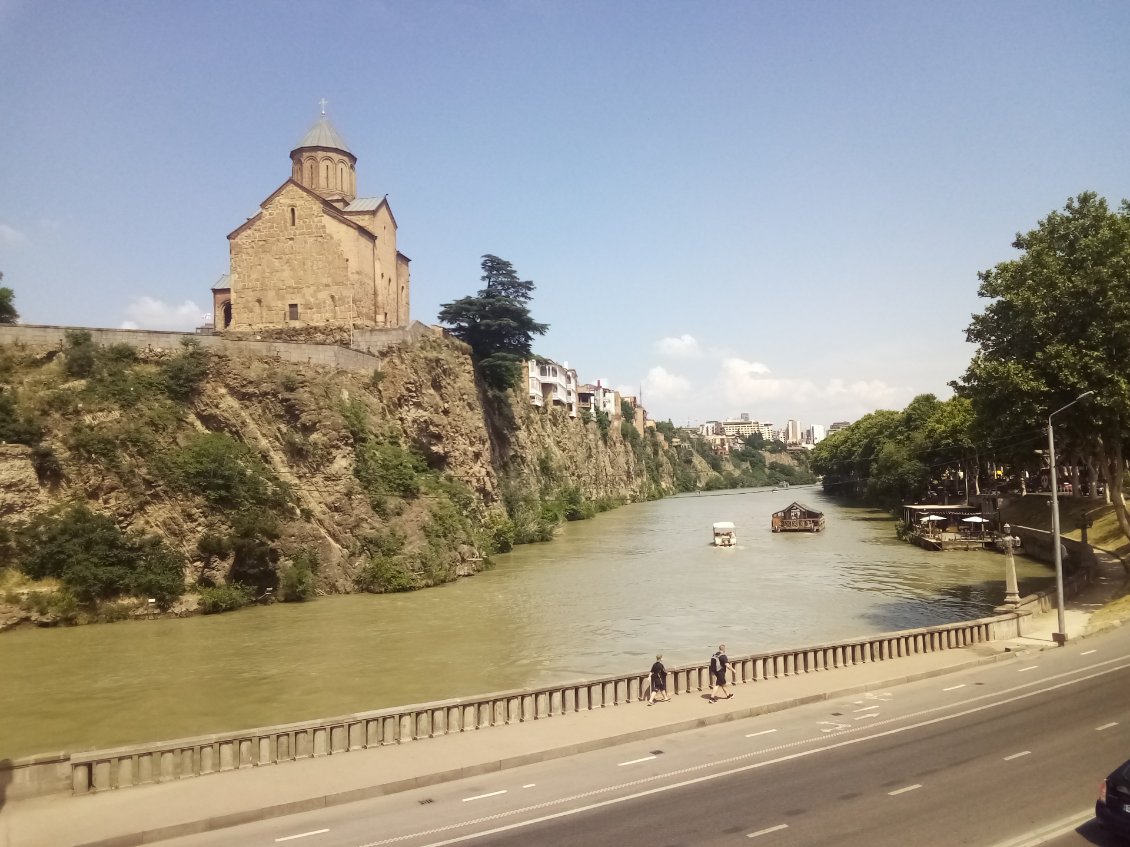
(366, 343)
(102, 770)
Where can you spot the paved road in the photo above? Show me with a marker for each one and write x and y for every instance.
(1008, 754)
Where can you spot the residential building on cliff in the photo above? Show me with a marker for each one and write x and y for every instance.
(315, 254)
(552, 384)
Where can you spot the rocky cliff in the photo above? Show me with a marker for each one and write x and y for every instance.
(405, 477)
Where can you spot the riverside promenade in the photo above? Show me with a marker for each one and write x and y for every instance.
(150, 813)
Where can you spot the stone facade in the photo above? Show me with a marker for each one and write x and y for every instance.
(315, 255)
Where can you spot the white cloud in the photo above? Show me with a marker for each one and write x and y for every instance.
(148, 313)
(661, 384)
(11, 235)
(683, 347)
(874, 393)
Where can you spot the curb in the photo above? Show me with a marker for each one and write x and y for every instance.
(339, 798)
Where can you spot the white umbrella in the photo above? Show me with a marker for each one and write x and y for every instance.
(975, 519)
(933, 518)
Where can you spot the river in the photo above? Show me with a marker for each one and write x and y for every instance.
(604, 597)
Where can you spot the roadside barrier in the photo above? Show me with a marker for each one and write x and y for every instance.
(123, 767)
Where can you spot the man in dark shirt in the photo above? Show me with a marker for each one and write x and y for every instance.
(719, 666)
(658, 680)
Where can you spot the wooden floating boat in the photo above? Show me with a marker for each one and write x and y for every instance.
(797, 517)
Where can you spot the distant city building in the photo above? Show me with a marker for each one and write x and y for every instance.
(792, 432)
(837, 426)
(814, 434)
(742, 427)
(744, 416)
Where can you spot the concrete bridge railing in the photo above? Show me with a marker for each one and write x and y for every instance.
(123, 767)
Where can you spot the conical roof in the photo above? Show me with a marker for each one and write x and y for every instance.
(323, 134)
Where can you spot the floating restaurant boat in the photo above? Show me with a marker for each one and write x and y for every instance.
(798, 517)
(724, 534)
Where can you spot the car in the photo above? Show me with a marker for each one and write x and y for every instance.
(1113, 806)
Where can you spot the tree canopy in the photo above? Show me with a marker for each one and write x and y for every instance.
(496, 322)
(1058, 326)
(8, 313)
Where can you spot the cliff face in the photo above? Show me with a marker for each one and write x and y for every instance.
(403, 478)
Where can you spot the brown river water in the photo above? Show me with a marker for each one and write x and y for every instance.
(604, 597)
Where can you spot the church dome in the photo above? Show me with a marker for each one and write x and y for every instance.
(323, 135)
(324, 163)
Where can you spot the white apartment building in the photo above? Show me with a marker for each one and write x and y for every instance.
(792, 433)
(552, 384)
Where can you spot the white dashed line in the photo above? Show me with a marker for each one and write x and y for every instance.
(867, 708)
(301, 835)
(529, 785)
(1029, 668)
(636, 761)
(1017, 755)
(865, 717)
(763, 732)
(776, 828)
(1088, 652)
(481, 796)
(1106, 726)
(904, 790)
(954, 687)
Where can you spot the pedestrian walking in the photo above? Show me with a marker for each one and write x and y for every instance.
(719, 669)
(658, 681)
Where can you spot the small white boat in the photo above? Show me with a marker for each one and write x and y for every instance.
(724, 534)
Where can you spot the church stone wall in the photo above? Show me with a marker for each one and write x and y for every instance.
(294, 254)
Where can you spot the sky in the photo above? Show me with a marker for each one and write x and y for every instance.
(777, 208)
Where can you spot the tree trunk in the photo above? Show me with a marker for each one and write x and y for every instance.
(1114, 469)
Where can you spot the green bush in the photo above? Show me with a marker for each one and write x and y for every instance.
(500, 533)
(16, 428)
(95, 560)
(386, 574)
(297, 581)
(224, 472)
(47, 467)
(225, 598)
(185, 373)
(78, 354)
(255, 556)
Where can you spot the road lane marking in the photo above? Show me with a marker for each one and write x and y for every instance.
(529, 785)
(1049, 832)
(1088, 652)
(776, 828)
(865, 717)
(904, 790)
(301, 835)
(1101, 669)
(763, 732)
(1105, 726)
(1017, 755)
(481, 796)
(954, 687)
(867, 709)
(636, 761)
(1029, 668)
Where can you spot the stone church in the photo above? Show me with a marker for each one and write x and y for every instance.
(315, 255)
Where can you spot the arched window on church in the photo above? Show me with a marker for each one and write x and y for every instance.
(310, 173)
(328, 183)
(293, 216)
(341, 177)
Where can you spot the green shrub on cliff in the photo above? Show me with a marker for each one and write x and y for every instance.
(297, 580)
(223, 471)
(96, 560)
(225, 598)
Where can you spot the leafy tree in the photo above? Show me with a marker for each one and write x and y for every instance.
(496, 322)
(8, 313)
(1059, 325)
(78, 353)
(96, 560)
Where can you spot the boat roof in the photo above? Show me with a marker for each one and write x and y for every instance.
(723, 525)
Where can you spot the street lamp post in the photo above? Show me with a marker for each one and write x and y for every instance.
(1011, 592)
(1060, 637)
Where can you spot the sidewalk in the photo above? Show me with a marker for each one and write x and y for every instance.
(154, 812)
